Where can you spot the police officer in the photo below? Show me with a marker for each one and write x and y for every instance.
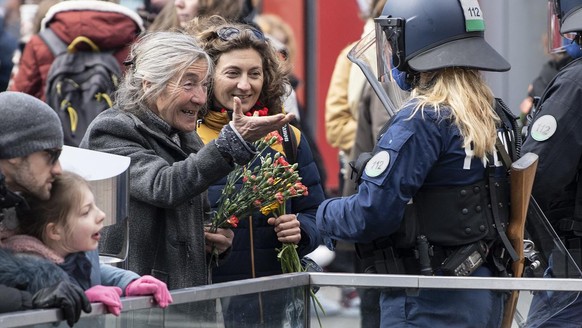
(555, 135)
(433, 198)
(30, 140)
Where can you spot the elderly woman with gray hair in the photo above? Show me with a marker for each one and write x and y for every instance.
(153, 122)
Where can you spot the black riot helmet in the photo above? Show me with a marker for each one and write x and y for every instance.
(424, 35)
(564, 24)
(569, 13)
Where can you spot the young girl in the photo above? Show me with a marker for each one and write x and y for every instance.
(66, 230)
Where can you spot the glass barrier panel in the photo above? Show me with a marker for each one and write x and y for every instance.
(340, 301)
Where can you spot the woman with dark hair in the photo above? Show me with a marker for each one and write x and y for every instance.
(247, 67)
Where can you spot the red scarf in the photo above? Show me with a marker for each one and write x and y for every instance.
(258, 108)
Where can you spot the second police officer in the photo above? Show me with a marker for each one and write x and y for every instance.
(423, 203)
(556, 137)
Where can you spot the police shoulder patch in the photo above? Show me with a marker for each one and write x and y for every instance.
(543, 128)
(378, 164)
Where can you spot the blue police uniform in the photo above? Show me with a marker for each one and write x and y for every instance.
(419, 151)
(555, 136)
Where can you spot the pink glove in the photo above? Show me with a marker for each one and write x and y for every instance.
(108, 295)
(148, 285)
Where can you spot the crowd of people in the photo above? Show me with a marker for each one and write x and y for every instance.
(426, 188)
(49, 239)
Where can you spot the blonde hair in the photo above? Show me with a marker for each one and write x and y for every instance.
(166, 20)
(230, 10)
(471, 102)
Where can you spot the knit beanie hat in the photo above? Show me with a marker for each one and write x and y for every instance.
(27, 125)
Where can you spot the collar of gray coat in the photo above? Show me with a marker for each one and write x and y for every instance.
(186, 141)
(159, 122)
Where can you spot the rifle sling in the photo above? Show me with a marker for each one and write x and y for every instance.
(494, 201)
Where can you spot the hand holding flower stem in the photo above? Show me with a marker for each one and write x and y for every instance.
(289, 233)
(265, 186)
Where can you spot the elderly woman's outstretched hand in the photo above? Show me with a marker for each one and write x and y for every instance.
(252, 128)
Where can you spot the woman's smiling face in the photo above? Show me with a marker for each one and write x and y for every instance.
(183, 98)
(238, 73)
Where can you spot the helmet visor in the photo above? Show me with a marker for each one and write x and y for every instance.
(389, 32)
(375, 66)
(556, 41)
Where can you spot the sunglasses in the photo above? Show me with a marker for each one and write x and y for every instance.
(229, 33)
(54, 155)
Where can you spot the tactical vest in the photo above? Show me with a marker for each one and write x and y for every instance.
(451, 230)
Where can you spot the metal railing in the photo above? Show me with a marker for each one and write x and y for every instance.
(302, 280)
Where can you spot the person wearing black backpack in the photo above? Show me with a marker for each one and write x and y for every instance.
(97, 34)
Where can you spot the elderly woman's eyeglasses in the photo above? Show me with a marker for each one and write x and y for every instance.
(228, 33)
(54, 155)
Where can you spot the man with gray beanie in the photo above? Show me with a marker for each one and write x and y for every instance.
(31, 139)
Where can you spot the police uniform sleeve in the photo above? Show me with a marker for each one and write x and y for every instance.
(306, 206)
(403, 158)
(555, 136)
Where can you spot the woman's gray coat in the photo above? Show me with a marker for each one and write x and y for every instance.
(167, 190)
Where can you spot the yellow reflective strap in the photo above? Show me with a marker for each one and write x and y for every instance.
(72, 82)
(73, 46)
(74, 118)
(100, 96)
(108, 99)
(64, 104)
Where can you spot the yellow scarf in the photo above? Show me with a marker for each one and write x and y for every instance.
(214, 121)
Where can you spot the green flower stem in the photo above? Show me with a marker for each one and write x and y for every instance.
(290, 262)
(266, 180)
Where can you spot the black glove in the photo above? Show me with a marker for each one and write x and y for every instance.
(66, 296)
